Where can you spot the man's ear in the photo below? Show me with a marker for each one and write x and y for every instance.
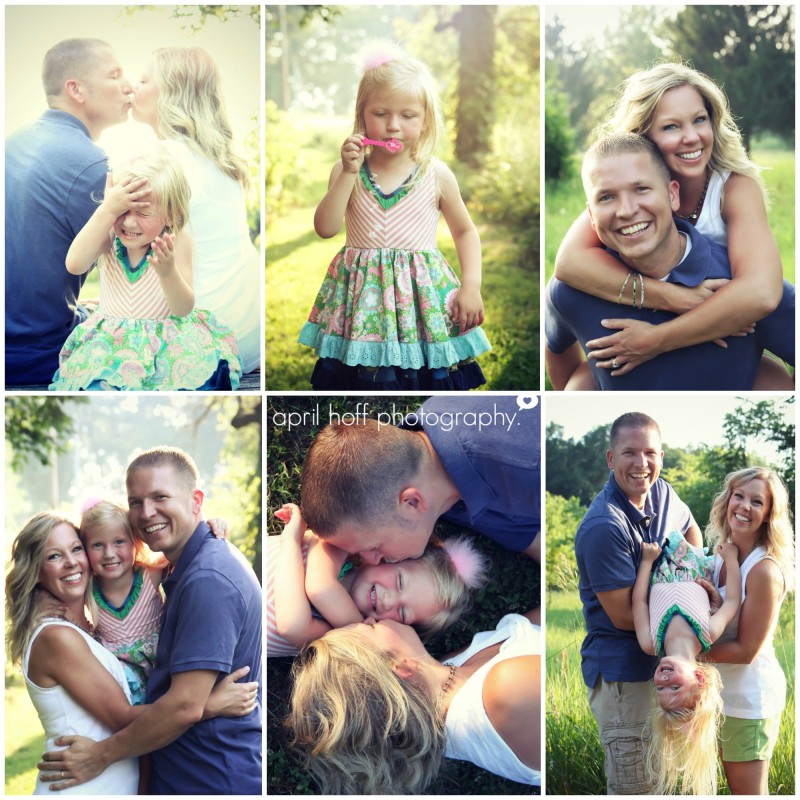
(412, 500)
(74, 89)
(591, 218)
(610, 458)
(406, 668)
(197, 501)
(674, 190)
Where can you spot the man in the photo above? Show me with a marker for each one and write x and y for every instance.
(212, 625)
(55, 176)
(630, 198)
(634, 506)
(378, 490)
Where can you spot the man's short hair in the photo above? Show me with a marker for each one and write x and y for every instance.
(174, 457)
(71, 58)
(355, 472)
(633, 419)
(616, 144)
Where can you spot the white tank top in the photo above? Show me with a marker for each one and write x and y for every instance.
(470, 735)
(756, 690)
(710, 222)
(60, 715)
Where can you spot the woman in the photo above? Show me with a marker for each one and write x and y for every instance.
(752, 511)
(76, 685)
(180, 97)
(374, 713)
(687, 116)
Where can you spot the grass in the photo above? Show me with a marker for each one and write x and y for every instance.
(514, 587)
(574, 757)
(24, 737)
(296, 259)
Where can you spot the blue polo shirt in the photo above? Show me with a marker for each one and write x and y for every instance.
(491, 449)
(212, 621)
(52, 171)
(572, 316)
(608, 551)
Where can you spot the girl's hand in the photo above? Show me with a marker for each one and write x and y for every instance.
(219, 527)
(295, 524)
(468, 308)
(353, 154)
(728, 550)
(126, 195)
(163, 258)
(48, 605)
(650, 552)
(231, 699)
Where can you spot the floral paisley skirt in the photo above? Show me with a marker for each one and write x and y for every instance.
(387, 308)
(191, 352)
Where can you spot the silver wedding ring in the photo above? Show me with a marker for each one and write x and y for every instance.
(614, 364)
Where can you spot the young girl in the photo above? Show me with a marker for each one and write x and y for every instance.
(126, 591)
(688, 117)
(677, 624)
(430, 592)
(391, 314)
(144, 334)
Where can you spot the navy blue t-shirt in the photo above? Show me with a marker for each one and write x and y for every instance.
(608, 551)
(53, 170)
(491, 449)
(212, 621)
(571, 315)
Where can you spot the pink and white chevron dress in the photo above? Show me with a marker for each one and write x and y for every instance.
(387, 298)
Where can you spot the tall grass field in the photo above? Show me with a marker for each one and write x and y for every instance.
(574, 757)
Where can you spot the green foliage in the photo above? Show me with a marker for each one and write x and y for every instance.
(763, 420)
(282, 154)
(237, 483)
(37, 426)
(514, 587)
(559, 140)
(576, 469)
(747, 49)
(750, 51)
(563, 516)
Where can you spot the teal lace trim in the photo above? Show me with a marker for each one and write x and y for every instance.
(386, 200)
(395, 354)
(131, 273)
(667, 618)
(124, 609)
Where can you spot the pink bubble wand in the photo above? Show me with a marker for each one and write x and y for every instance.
(392, 145)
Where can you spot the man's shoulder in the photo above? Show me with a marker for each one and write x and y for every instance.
(59, 136)
(218, 559)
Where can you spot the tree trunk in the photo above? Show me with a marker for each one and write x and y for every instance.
(475, 108)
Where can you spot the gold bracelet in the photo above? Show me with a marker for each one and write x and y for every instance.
(624, 284)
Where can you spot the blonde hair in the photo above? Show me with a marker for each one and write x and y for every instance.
(27, 556)
(641, 93)
(402, 73)
(777, 533)
(360, 728)
(191, 107)
(452, 593)
(168, 184)
(106, 513)
(681, 755)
